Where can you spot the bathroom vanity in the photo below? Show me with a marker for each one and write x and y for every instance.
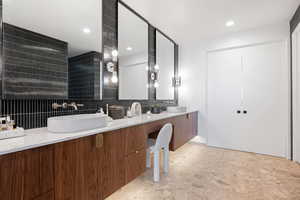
(84, 165)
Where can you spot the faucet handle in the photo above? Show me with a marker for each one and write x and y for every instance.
(80, 105)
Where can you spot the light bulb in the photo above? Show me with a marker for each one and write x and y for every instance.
(156, 85)
(156, 67)
(114, 53)
(114, 77)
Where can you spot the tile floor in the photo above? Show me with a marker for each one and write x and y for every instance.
(198, 172)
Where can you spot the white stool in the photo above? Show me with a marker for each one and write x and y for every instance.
(154, 146)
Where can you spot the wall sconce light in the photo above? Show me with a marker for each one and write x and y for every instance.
(156, 68)
(110, 66)
(153, 76)
(156, 84)
(177, 81)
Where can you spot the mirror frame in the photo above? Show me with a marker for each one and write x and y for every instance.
(175, 61)
(120, 2)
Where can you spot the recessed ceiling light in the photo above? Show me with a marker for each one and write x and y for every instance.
(86, 30)
(129, 48)
(230, 23)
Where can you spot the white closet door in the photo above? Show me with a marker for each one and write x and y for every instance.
(224, 98)
(266, 99)
(252, 79)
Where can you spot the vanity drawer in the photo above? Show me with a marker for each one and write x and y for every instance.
(135, 164)
(136, 139)
(155, 126)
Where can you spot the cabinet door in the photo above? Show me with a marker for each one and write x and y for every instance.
(76, 170)
(180, 133)
(38, 172)
(12, 176)
(114, 162)
(135, 139)
(135, 165)
(27, 175)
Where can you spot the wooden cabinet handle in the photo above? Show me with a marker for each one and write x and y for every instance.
(99, 141)
(136, 152)
(188, 116)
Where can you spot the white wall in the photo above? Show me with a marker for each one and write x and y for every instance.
(193, 67)
(133, 76)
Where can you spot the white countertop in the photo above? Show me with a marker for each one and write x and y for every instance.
(41, 136)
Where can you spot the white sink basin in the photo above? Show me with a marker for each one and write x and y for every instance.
(75, 123)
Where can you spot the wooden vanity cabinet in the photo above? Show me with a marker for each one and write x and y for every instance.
(89, 168)
(135, 153)
(185, 127)
(12, 176)
(78, 169)
(114, 162)
(27, 175)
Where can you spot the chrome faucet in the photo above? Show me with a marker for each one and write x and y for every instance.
(136, 109)
(66, 105)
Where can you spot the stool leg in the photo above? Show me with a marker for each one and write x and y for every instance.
(156, 166)
(148, 158)
(166, 160)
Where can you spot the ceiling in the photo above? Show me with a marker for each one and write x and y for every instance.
(187, 20)
(59, 19)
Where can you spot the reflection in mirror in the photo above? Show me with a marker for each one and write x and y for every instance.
(166, 67)
(133, 55)
(57, 36)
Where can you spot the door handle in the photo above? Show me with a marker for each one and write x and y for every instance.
(238, 112)
(245, 111)
(99, 141)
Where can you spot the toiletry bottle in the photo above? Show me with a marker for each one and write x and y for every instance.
(3, 125)
(129, 114)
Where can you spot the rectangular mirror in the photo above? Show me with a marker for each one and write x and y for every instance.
(52, 49)
(165, 64)
(133, 55)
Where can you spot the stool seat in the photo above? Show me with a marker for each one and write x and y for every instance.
(155, 146)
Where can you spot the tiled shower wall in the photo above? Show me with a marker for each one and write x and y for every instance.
(33, 113)
(34, 65)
